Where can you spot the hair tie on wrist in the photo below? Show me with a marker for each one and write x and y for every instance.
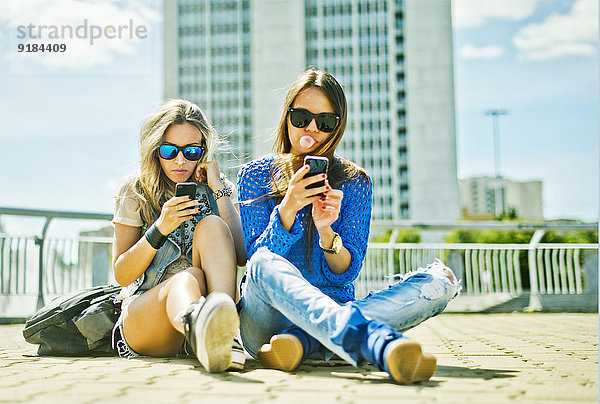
(155, 238)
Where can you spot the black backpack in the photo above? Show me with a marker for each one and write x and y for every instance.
(79, 323)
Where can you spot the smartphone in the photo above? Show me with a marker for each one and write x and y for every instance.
(318, 165)
(201, 192)
(186, 188)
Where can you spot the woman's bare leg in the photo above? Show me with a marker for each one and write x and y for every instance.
(214, 252)
(150, 326)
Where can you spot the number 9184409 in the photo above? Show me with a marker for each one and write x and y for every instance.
(40, 47)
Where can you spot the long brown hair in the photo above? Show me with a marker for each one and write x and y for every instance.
(286, 164)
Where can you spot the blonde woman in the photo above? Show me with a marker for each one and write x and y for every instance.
(177, 263)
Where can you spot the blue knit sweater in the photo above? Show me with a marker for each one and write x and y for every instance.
(262, 227)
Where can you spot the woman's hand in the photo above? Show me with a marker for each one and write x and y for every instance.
(326, 210)
(175, 211)
(298, 196)
(209, 170)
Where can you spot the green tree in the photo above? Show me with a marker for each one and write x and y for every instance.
(573, 237)
(510, 214)
(404, 236)
(520, 237)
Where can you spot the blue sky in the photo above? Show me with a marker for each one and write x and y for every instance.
(538, 59)
(69, 122)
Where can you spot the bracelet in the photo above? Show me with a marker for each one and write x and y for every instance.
(155, 238)
(222, 192)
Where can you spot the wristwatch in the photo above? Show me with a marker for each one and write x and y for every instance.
(335, 247)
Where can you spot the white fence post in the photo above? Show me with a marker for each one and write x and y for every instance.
(535, 303)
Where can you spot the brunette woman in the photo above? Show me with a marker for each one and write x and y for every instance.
(307, 246)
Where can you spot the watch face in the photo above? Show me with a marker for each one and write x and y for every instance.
(337, 243)
(335, 247)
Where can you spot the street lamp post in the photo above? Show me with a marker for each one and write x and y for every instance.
(495, 114)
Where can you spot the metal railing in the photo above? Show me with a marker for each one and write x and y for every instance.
(67, 263)
(541, 270)
(485, 268)
(40, 267)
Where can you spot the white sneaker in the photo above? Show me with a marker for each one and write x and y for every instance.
(210, 326)
(238, 356)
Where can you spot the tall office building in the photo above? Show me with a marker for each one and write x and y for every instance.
(207, 61)
(235, 58)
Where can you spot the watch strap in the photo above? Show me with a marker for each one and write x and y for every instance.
(335, 247)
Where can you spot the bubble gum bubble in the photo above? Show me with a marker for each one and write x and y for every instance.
(307, 142)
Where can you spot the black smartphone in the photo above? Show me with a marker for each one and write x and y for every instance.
(318, 165)
(186, 188)
(201, 192)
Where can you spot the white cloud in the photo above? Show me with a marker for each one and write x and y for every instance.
(18, 16)
(572, 34)
(474, 13)
(483, 52)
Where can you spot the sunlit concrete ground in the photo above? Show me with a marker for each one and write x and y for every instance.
(482, 358)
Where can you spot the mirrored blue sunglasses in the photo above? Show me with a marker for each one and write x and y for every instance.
(170, 151)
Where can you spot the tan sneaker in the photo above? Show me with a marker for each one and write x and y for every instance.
(407, 363)
(284, 352)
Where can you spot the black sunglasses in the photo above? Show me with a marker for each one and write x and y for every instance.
(326, 121)
(170, 151)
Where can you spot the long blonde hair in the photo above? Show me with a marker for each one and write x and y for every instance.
(150, 184)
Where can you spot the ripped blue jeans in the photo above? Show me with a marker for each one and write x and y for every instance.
(275, 296)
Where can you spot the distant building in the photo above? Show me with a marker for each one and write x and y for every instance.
(235, 58)
(478, 198)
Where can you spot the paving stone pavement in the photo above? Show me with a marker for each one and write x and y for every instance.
(482, 358)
